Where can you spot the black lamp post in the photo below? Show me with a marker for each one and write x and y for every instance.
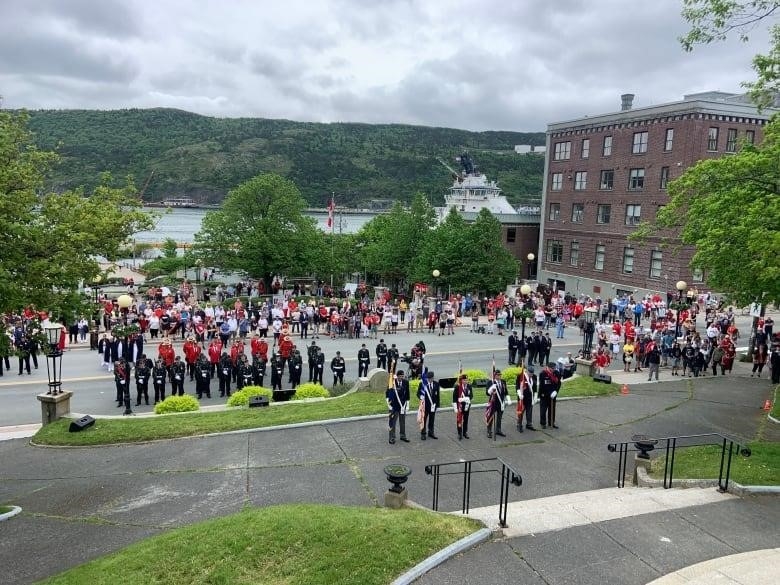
(587, 334)
(54, 372)
(436, 274)
(682, 286)
(530, 258)
(525, 291)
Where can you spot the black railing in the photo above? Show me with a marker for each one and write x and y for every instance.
(643, 445)
(508, 477)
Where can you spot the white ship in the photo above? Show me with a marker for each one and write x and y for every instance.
(471, 192)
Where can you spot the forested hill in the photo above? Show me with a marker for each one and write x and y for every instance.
(180, 153)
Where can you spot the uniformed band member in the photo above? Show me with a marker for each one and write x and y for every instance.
(258, 370)
(319, 367)
(364, 358)
(462, 395)
(122, 380)
(526, 386)
(549, 385)
(224, 373)
(428, 393)
(498, 398)
(202, 369)
(159, 373)
(277, 367)
(296, 367)
(381, 354)
(178, 371)
(143, 371)
(312, 352)
(392, 358)
(397, 396)
(244, 374)
(337, 366)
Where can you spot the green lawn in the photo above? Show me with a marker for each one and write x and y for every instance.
(775, 404)
(761, 468)
(137, 429)
(283, 545)
(5, 509)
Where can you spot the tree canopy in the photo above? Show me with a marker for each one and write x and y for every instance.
(49, 242)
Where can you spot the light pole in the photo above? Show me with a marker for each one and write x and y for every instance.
(682, 286)
(530, 258)
(54, 373)
(124, 302)
(591, 313)
(525, 291)
(436, 275)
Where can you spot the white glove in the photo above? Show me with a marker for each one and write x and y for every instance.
(554, 394)
(508, 400)
(467, 400)
(405, 408)
(389, 405)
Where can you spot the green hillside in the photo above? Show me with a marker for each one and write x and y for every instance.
(203, 157)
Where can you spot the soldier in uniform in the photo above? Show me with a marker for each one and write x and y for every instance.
(526, 386)
(312, 352)
(549, 384)
(122, 380)
(513, 343)
(428, 393)
(296, 367)
(178, 371)
(244, 375)
(397, 396)
(392, 358)
(337, 366)
(143, 370)
(224, 373)
(498, 398)
(277, 367)
(202, 377)
(159, 373)
(381, 354)
(364, 358)
(319, 367)
(258, 370)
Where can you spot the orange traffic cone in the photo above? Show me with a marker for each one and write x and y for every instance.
(767, 405)
(624, 389)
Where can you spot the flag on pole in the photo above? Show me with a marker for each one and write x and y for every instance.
(490, 409)
(331, 208)
(425, 389)
(459, 392)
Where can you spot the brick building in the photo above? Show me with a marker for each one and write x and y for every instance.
(606, 174)
(519, 235)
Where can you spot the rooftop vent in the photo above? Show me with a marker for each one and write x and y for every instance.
(626, 101)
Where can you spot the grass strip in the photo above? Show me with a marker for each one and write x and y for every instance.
(703, 462)
(303, 544)
(139, 429)
(5, 509)
(775, 405)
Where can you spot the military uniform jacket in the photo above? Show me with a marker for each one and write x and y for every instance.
(177, 371)
(224, 367)
(337, 364)
(312, 351)
(364, 356)
(158, 374)
(430, 394)
(398, 395)
(381, 350)
(548, 383)
(392, 355)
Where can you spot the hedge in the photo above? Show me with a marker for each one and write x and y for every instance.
(241, 397)
(184, 403)
(310, 390)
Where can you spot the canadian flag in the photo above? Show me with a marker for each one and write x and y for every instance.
(331, 207)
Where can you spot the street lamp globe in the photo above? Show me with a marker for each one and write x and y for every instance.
(530, 256)
(124, 301)
(436, 273)
(681, 285)
(53, 333)
(525, 290)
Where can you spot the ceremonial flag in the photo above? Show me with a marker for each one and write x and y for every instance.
(423, 398)
(490, 409)
(331, 208)
(458, 405)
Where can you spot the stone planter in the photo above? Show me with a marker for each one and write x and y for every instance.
(397, 474)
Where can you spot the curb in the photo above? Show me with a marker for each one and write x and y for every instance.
(14, 511)
(444, 554)
(644, 480)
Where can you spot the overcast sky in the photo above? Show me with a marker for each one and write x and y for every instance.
(475, 64)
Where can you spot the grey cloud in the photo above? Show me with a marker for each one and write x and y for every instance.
(269, 66)
(107, 18)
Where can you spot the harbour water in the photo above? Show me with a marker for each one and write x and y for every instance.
(181, 225)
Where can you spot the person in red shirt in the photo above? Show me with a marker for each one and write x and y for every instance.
(214, 351)
(166, 353)
(192, 351)
(259, 348)
(602, 361)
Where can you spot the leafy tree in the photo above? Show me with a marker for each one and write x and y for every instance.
(261, 231)
(492, 266)
(713, 20)
(49, 242)
(729, 208)
(169, 248)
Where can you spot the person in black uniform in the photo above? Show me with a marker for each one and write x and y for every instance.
(159, 373)
(364, 358)
(428, 393)
(122, 380)
(23, 353)
(392, 359)
(258, 370)
(277, 366)
(178, 371)
(319, 367)
(549, 384)
(381, 354)
(526, 386)
(143, 371)
(338, 366)
(462, 395)
(498, 393)
(397, 396)
(533, 345)
(244, 373)
(225, 373)
(202, 369)
(512, 343)
(545, 345)
(296, 367)
(312, 352)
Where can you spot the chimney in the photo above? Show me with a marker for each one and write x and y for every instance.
(626, 101)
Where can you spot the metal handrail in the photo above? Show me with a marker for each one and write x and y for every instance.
(644, 445)
(508, 477)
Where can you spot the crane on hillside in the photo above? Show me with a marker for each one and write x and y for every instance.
(146, 184)
(455, 174)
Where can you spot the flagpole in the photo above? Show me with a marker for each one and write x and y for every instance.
(331, 209)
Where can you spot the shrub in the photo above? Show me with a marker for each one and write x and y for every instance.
(509, 375)
(184, 403)
(414, 386)
(241, 397)
(473, 375)
(310, 390)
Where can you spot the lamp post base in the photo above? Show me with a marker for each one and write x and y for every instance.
(54, 406)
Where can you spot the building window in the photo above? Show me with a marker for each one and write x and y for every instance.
(640, 143)
(604, 211)
(731, 140)
(555, 251)
(656, 257)
(601, 253)
(586, 148)
(750, 136)
(555, 212)
(557, 182)
(562, 150)
(607, 150)
(636, 179)
(574, 254)
(698, 275)
(607, 180)
(580, 180)
(664, 178)
(633, 214)
(669, 140)
(511, 234)
(628, 260)
(577, 212)
(712, 139)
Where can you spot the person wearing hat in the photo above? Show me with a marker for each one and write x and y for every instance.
(498, 398)
(225, 373)
(397, 396)
(513, 344)
(462, 395)
(319, 366)
(428, 393)
(526, 386)
(337, 366)
(381, 354)
(364, 358)
(392, 358)
(312, 352)
(549, 385)
(178, 371)
(192, 351)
